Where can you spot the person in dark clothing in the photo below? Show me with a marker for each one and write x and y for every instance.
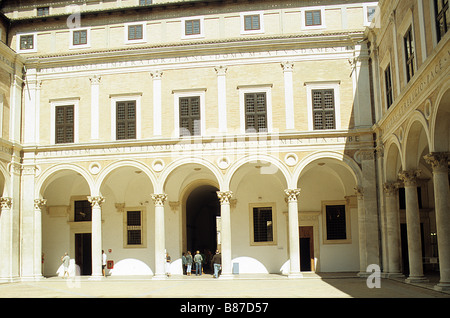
(217, 263)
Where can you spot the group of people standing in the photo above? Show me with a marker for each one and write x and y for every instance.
(198, 260)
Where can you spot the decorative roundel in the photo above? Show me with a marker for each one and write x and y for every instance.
(158, 165)
(291, 159)
(223, 163)
(95, 167)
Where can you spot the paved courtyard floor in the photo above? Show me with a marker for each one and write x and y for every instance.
(312, 285)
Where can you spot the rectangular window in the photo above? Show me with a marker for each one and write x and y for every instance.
(192, 27)
(144, 2)
(336, 222)
(252, 22)
(80, 37)
(371, 13)
(255, 112)
(190, 116)
(134, 227)
(83, 211)
(262, 224)
(43, 11)
(135, 32)
(27, 42)
(323, 109)
(388, 86)
(409, 54)
(442, 18)
(313, 18)
(126, 120)
(64, 124)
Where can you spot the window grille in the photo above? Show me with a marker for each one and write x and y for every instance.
(26, 42)
(251, 22)
(80, 37)
(135, 32)
(255, 112)
(409, 54)
(83, 211)
(388, 86)
(190, 116)
(262, 224)
(64, 124)
(43, 11)
(134, 228)
(336, 222)
(126, 120)
(323, 109)
(192, 27)
(442, 18)
(313, 18)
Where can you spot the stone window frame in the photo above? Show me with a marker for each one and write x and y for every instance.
(134, 41)
(263, 88)
(200, 35)
(64, 102)
(143, 226)
(34, 49)
(261, 22)
(348, 239)
(271, 205)
(123, 98)
(325, 85)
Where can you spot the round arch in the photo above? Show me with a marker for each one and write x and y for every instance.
(414, 140)
(168, 171)
(440, 121)
(393, 160)
(45, 178)
(120, 164)
(7, 180)
(277, 166)
(349, 163)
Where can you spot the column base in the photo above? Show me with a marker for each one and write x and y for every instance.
(416, 279)
(444, 287)
(96, 277)
(295, 275)
(363, 274)
(159, 277)
(226, 276)
(394, 275)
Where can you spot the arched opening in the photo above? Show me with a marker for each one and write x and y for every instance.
(202, 216)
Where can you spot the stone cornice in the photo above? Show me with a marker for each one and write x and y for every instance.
(193, 48)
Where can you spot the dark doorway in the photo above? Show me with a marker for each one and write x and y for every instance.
(83, 252)
(202, 208)
(306, 249)
(404, 244)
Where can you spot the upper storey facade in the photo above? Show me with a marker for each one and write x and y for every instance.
(49, 27)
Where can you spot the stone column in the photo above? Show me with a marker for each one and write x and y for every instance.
(222, 97)
(160, 236)
(361, 232)
(294, 237)
(393, 229)
(96, 203)
(439, 163)
(38, 205)
(288, 68)
(225, 216)
(413, 226)
(157, 103)
(6, 239)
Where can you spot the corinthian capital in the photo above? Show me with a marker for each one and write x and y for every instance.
(438, 161)
(6, 203)
(96, 201)
(39, 203)
(409, 177)
(159, 199)
(292, 194)
(224, 196)
(390, 188)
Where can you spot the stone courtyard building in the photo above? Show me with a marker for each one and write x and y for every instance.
(292, 135)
